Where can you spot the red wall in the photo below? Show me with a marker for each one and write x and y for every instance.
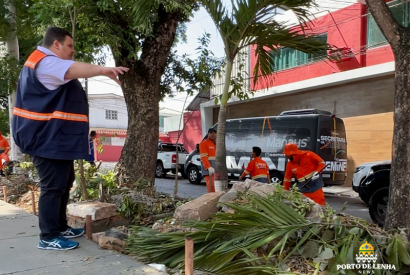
(345, 28)
(111, 153)
(192, 132)
(191, 135)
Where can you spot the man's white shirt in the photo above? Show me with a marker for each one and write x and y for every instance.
(52, 69)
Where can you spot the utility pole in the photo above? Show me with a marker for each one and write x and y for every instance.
(13, 49)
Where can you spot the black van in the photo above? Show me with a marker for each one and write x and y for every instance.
(311, 129)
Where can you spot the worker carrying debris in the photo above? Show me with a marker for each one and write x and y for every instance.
(305, 167)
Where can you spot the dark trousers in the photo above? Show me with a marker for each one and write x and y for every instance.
(56, 180)
(262, 180)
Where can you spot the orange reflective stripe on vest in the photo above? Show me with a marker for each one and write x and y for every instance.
(34, 58)
(47, 116)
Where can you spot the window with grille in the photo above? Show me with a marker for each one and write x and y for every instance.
(400, 10)
(105, 140)
(290, 58)
(110, 114)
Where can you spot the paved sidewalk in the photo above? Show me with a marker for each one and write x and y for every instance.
(345, 191)
(19, 253)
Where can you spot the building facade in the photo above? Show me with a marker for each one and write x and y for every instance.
(187, 130)
(357, 87)
(108, 117)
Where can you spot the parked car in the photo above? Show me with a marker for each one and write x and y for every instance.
(374, 190)
(167, 159)
(193, 166)
(364, 170)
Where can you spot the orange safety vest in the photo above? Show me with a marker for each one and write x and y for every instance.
(258, 168)
(303, 166)
(207, 150)
(4, 145)
(50, 123)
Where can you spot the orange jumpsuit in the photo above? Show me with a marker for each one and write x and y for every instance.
(4, 145)
(258, 169)
(4, 150)
(303, 166)
(207, 150)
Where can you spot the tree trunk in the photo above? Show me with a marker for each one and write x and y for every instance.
(221, 172)
(399, 191)
(141, 93)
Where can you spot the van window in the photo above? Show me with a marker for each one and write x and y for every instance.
(333, 142)
(236, 135)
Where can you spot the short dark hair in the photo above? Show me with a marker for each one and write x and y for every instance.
(257, 150)
(54, 33)
(211, 130)
(93, 133)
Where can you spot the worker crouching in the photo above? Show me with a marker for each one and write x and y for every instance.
(305, 167)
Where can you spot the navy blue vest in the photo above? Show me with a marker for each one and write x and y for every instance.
(50, 123)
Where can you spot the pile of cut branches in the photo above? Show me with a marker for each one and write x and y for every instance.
(268, 236)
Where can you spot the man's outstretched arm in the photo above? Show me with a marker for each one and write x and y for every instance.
(86, 70)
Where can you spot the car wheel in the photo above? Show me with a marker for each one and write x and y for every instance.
(378, 205)
(159, 170)
(276, 177)
(194, 176)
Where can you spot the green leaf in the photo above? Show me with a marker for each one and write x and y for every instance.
(326, 254)
(332, 265)
(392, 253)
(328, 235)
(354, 231)
(403, 252)
(310, 250)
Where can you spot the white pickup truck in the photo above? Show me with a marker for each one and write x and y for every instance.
(167, 159)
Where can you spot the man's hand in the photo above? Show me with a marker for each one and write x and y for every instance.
(241, 178)
(315, 176)
(211, 171)
(114, 72)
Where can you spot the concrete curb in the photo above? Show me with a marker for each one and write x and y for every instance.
(340, 191)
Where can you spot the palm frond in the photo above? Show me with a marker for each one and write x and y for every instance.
(223, 245)
(220, 16)
(252, 22)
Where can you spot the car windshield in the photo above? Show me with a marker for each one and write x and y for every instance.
(172, 148)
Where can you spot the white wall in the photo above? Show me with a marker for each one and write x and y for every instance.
(218, 81)
(322, 8)
(118, 141)
(172, 123)
(100, 103)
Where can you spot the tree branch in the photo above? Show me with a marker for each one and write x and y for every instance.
(389, 26)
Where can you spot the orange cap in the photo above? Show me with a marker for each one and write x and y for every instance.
(291, 149)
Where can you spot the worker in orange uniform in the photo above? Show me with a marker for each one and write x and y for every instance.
(257, 167)
(207, 150)
(4, 150)
(304, 166)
